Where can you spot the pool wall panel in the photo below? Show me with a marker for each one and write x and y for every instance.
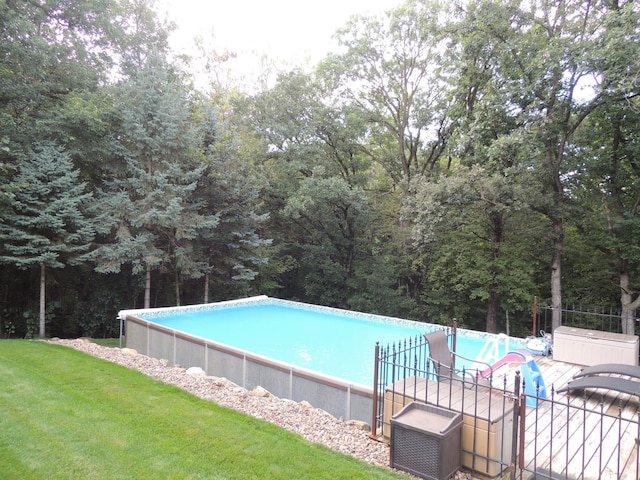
(228, 364)
(260, 374)
(189, 353)
(161, 345)
(332, 396)
(136, 337)
(340, 399)
(360, 401)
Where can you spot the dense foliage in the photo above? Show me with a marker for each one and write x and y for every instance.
(449, 161)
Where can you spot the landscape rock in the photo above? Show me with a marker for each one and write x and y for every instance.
(259, 392)
(195, 371)
(225, 382)
(359, 424)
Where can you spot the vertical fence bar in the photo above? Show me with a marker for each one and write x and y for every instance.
(601, 434)
(584, 428)
(568, 429)
(536, 433)
(619, 448)
(516, 425)
(374, 413)
(638, 447)
(535, 316)
(455, 334)
(523, 428)
(551, 433)
(454, 341)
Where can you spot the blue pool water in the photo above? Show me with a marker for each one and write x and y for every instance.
(333, 342)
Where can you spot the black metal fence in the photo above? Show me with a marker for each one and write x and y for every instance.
(579, 438)
(560, 437)
(606, 319)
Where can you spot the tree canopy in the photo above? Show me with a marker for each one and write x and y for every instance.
(448, 160)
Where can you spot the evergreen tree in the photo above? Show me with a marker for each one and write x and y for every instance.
(151, 213)
(45, 226)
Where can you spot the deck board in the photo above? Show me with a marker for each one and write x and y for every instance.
(583, 435)
(579, 434)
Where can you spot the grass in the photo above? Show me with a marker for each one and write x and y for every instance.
(66, 415)
(107, 342)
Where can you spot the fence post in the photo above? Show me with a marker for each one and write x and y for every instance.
(535, 316)
(454, 341)
(121, 321)
(516, 424)
(638, 449)
(374, 418)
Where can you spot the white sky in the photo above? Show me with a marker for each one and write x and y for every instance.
(291, 31)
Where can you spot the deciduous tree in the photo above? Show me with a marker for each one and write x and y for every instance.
(392, 70)
(538, 56)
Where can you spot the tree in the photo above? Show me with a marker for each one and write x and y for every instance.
(46, 226)
(331, 216)
(49, 51)
(234, 253)
(152, 212)
(537, 56)
(316, 194)
(392, 72)
(467, 221)
(144, 36)
(607, 188)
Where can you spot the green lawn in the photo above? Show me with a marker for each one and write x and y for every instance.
(67, 415)
(107, 342)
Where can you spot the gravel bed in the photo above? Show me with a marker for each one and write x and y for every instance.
(314, 424)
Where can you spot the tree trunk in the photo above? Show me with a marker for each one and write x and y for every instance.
(177, 280)
(556, 275)
(629, 306)
(147, 288)
(206, 287)
(497, 233)
(42, 299)
(492, 312)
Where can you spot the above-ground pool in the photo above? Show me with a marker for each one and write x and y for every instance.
(325, 340)
(252, 340)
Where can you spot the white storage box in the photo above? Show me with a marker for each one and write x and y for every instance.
(592, 347)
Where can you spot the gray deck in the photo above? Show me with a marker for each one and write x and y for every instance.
(573, 420)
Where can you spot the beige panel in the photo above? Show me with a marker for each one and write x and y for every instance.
(592, 347)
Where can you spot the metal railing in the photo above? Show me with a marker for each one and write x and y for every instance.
(579, 438)
(405, 374)
(563, 437)
(606, 319)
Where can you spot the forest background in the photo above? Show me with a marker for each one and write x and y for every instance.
(452, 159)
